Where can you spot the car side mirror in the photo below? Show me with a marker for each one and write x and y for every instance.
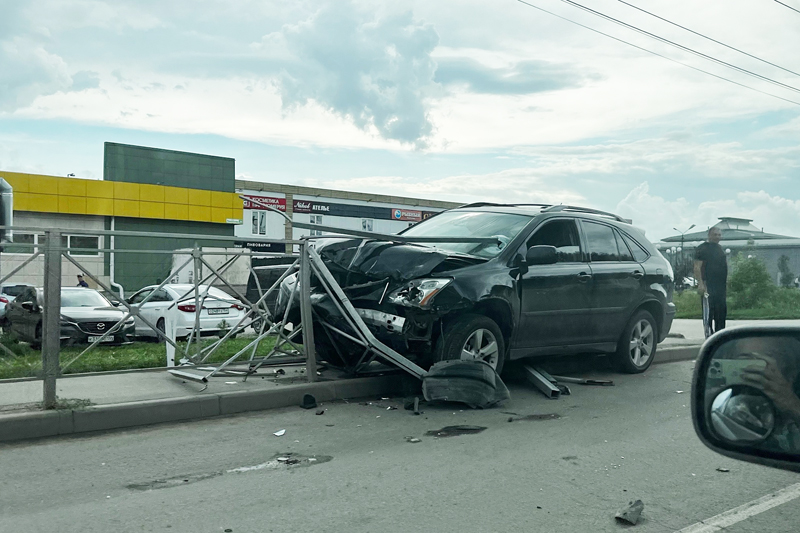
(28, 306)
(541, 255)
(745, 402)
(116, 303)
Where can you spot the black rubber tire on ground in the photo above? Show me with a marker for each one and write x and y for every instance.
(459, 337)
(642, 331)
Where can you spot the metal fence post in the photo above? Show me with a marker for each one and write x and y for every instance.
(198, 271)
(306, 318)
(51, 317)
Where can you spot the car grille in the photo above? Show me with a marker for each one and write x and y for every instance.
(97, 327)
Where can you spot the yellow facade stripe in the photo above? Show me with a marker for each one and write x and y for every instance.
(53, 194)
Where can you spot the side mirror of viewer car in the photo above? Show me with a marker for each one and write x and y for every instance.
(746, 395)
(541, 255)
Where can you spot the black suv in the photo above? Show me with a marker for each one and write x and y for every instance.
(553, 280)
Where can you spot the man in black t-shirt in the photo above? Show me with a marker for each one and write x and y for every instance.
(711, 273)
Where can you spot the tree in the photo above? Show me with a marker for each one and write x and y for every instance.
(786, 275)
(750, 283)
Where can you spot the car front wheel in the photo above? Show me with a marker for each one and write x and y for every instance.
(472, 337)
(637, 346)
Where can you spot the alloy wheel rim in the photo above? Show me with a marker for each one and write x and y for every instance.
(642, 343)
(481, 345)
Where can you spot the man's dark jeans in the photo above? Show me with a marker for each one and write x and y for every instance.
(718, 310)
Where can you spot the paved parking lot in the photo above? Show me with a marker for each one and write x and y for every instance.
(569, 470)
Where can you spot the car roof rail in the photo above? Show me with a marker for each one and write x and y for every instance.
(576, 209)
(484, 204)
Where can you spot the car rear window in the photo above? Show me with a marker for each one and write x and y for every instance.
(14, 290)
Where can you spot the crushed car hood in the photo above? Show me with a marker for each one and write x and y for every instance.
(382, 259)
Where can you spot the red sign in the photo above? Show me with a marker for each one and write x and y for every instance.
(276, 203)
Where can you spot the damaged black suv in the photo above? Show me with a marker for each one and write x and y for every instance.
(550, 280)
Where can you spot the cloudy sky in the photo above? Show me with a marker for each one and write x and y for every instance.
(458, 100)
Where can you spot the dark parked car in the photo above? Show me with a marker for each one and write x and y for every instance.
(555, 280)
(85, 316)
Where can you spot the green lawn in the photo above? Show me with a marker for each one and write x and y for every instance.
(782, 304)
(27, 362)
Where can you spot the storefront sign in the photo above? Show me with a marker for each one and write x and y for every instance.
(407, 214)
(276, 203)
(276, 247)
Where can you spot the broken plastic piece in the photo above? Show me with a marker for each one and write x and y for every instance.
(320, 411)
(413, 440)
(309, 402)
(631, 513)
(280, 433)
(720, 469)
(474, 383)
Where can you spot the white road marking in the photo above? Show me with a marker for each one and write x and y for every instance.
(743, 512)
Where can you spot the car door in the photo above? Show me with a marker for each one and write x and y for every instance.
(23, 314)
(136, 301)
(156, 306)
(617, 282)
(554, 299)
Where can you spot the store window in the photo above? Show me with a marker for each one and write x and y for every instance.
(366, 224)
(82, 245)
(316, 219)
(259, 223)
(23, 244)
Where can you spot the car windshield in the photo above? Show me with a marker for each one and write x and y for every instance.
(501, 226)
(83, 298)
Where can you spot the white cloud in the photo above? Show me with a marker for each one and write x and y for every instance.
(373, 71)
(658, 216)
(28, 71)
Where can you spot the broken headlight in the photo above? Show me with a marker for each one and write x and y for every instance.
(419, 293)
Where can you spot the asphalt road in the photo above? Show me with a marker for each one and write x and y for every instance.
(568, 472)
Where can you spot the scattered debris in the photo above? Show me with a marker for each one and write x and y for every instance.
(280, 433)
(453, 431)
(720, 469)
(570, 457)
(509, 413)
(678, 392)
(309, 402)
(329, 425)
(473, 382)
(538, 506)
(391, 408)
(548, 416)
(280, 372)
(631, 513)
(510, 419)
(413, 440)
(412, 404)
(320, 412)
(584, 381)
(231, 382)
(288, 460)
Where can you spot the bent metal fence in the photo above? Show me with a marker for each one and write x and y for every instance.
(209, 269)
(196, 360)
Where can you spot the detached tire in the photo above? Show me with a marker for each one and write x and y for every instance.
(637, 345)
(472, 337)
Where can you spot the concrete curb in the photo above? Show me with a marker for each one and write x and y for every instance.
(38, 424)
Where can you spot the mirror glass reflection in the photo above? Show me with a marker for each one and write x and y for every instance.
(752, 392)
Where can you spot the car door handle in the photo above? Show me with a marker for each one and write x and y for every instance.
(638, 274)
(583, 277)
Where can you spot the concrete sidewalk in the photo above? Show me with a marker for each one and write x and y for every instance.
(128, 399)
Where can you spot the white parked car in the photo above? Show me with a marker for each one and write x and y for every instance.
(217, 307)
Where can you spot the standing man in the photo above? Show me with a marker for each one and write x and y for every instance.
(81, 281)
(711, 273)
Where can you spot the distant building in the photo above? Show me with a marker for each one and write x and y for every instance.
(739, 236)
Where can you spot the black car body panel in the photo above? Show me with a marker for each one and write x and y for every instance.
(579, 304)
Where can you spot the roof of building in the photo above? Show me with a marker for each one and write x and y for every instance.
(733, 229)
(343, 195)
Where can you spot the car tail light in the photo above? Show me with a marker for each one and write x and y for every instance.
(3, 299)
(234, 306)
(187, 308)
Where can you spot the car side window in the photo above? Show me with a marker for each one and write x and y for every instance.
(563, 234)
(160, 296)
(601, 242)
(27, 295)
(139, 296)
(639, 253)
(624, 253)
